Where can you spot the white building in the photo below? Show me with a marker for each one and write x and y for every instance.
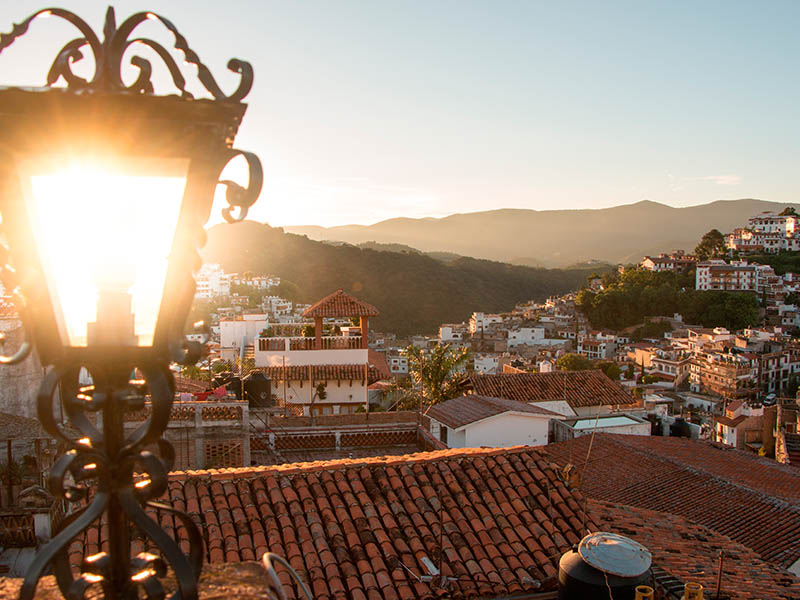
(236, 333)
(480, 322)
(212, 281)
(473, 421)
(322, 374)
(398, 363)
(453, 332)
(486, 363)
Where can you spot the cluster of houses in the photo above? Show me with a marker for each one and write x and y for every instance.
(227, 291)
(530, 434)
(767, 232)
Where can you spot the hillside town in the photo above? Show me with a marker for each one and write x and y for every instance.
(467, 301)
(285, 383)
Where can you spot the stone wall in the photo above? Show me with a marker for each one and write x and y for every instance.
(19, 384)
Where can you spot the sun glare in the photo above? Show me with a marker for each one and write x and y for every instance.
(104, 236)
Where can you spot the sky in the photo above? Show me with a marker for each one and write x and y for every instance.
(363, 110)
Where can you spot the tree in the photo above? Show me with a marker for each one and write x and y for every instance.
(573, 362)
(789, 211)
(712, 245)
(436, 372)
(610, 368)
(309, 330)
(630, 372)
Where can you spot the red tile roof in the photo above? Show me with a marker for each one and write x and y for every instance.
(753, 500)
(727, 421)
(322, 373)
(341, 304)
(690, 552)
(577, 388)
(349, 527)
(378, 360)
(472, 408)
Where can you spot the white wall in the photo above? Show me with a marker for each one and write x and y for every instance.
(632, 429)
(231, 332)
(338, 392)
(310, 357)
(502, 431)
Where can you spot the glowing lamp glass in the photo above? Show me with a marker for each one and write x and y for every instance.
(104, 233)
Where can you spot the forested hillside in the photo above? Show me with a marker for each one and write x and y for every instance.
(414, 292)
(632, 297)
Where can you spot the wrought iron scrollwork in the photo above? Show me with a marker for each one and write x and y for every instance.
(105, 471)
(238, 197)
(109, 55)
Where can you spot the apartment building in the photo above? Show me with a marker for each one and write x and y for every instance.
(727, 375)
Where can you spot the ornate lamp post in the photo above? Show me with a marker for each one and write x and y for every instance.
(104, 193)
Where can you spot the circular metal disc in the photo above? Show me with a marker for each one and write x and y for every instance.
(615, 554)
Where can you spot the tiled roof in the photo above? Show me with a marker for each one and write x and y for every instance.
(378, 360)
(727, 421)
(753, 500)
(468, 409)
(349, 527)
(690, 552)
(341, 304)
(321, 372)
(578, 388)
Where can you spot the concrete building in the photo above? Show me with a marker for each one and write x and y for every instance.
(212, 282)
(324, 374)
(474, 421)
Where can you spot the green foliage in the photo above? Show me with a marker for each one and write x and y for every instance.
(712, 245)
(309, 330)
(194, 372)
(630, 372)
(253, 294)
(573, 362)
(651, 329)
(414, 292)
(651, 379)
(289, 290)
(638, 294)
(610, 368)
(782, 262)
(220, 367)
(436, 372)
(789, 211)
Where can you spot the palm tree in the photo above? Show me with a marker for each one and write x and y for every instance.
(436, 373)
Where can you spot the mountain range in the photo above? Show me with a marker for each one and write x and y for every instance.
(415, 292)
(555, 238)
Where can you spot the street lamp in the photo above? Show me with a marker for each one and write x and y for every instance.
(104, 191)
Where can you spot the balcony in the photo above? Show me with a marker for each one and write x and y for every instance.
(328, 342)
(289, 351)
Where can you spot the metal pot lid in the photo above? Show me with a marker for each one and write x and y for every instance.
(615, 554)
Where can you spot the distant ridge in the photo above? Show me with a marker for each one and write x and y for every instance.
(555, 238)
(415, 292)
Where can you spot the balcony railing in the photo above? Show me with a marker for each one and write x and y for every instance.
(286, 344)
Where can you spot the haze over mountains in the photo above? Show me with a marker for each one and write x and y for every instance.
(555, 238)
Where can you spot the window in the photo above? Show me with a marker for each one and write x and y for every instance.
(443, 433)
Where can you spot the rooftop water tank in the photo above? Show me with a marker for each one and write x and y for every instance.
(604, 564)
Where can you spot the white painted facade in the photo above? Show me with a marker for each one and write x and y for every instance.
(342, 397)
(500, 431)
(211, 282)
(231, 331)
(486, 364)
(479, 322)
(278, 358)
